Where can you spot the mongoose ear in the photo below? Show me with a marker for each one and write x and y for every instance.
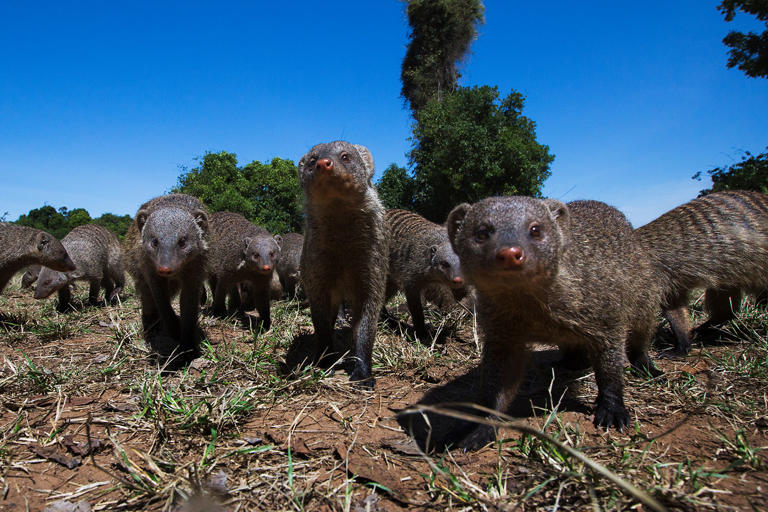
(141, 219)
(42, 241)
(432, 250)
(279, 241)
(201, 218)
(365, 154)
(455, 220)
(560, 213)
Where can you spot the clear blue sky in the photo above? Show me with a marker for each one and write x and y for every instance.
(101, 102)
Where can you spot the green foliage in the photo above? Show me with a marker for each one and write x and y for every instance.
(62, 221)
(472, 145)
(266, 194)
(396, 188)
(276, 193)
(749, 174)
(117, 224)
(441, 32)
(748, 52)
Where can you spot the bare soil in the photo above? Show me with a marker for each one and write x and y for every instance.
(248, 426)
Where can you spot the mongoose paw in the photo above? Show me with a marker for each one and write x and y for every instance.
(609, 415)
(362, 379)
(478, 437)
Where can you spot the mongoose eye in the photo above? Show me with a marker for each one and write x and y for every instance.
(312, 161)
(535, 230)
(155, 242)
(272, 254)
(482, 234)
(445, 265)
(345, 157)
(182, 242)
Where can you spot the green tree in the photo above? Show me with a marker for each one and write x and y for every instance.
(396, 188)
(77, 217)
(266, 194)
(276, 195)
(48, 219)
(440, 34)
(748, 52)
(749, 174)
(117, 224)
(471, 145)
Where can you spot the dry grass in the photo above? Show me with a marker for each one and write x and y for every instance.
(248, 427)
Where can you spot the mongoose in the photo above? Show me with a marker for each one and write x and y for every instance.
(718, 242)
(346, 251)
(97, 256)
(30, 276)
(548, 272)
(288, 265)
(241, 252)
(420, 255)
(22, 246)
(166, 252)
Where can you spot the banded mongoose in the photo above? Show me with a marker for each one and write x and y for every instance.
(30, 276)
(241, 252)
(97, 256)
(346, 251)
(288, 264)
(554, 273)
(420, 255)
(166, 252)
(22, 246)
(718, 242)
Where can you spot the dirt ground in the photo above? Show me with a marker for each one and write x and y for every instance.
(87, 420)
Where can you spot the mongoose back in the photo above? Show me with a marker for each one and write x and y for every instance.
(718, 242)
(420, 255)
(166, 252)
(554, 273)
(346, 252)
(241, 252)
(97, 256)
(288, 264)
(22, 246)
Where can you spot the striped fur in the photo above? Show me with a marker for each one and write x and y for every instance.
(718, 242)
(420, 256)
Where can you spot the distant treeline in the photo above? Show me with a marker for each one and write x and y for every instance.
(62, 221)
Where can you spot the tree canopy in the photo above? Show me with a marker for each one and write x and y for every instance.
(749, 174)
(471, 145)
(440, 34)
(396, 188)
(267, 194)
(749, 52)
(62, 221)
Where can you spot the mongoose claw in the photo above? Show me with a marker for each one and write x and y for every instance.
(611, 415)
(478, 437)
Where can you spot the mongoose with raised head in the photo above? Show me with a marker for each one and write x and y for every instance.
(718, 242)
(30, 276)
(288, 264)
(553, 273)
(166, 252)
(420, 255)
(97, 256)
(346, 251)
(241, 252)
(22, 246)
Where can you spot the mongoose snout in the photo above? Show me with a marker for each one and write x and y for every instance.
(510, 257)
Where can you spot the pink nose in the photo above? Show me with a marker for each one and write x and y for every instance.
(164, 271)
(510, 257)
(266, 267)
(458, 280)
(324, 164)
